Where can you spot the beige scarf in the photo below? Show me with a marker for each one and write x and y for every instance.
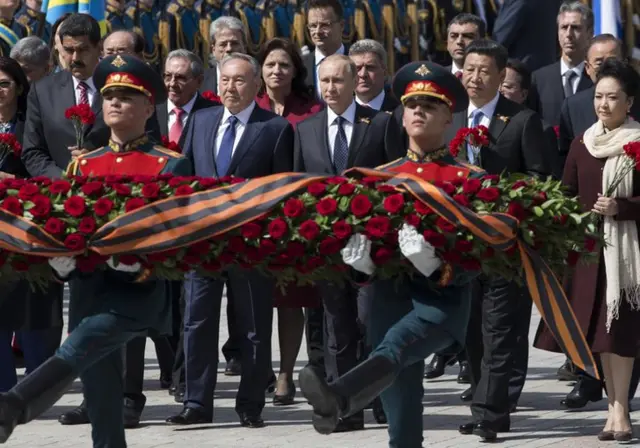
(621, 254)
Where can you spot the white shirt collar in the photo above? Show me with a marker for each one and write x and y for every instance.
(564, 68)
(187, 107)
(487, 110)
(88, 82)
(319, 56)
(349, 114)
(454, 68)
(375, 103)
(242, 116)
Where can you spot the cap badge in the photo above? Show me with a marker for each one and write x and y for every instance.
(118, 62)
(423, 70)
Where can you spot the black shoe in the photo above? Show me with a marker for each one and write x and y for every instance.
(251, 421)
(437, 365)
(77, 416)
(178, 397)
(190, 416)
(286, 399)
(378, 412)
(467, 395)
(133, 410)
(466, 428)
(234, 368)
(352, 423)
(172, 389)
(165, 381)
(567, 372)
(271, 385)
(464, 377)
(485, 432)
(585, 390)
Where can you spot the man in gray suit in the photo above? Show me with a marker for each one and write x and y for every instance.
(228, 35)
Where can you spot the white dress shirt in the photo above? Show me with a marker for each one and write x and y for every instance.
(578, 70)
(319, 57)
(91, 91)
(454, 68)
(487, 110)
(375, 103)
(243, 118)
(186, 108)
(350, 116)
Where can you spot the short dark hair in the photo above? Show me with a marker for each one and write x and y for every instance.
(80, 25)
(487, 47)
(622, 72)
(522, 70)
(465, 17)
(603, 38)
(336, 5)
(13, 69)
(138, 40)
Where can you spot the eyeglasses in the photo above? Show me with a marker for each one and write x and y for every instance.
(180, 79)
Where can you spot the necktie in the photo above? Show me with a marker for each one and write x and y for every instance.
(473, 154)
(176, 128)
(568, 83)
(223, 161)
(459, 75)
(84, 92)
(340, 147)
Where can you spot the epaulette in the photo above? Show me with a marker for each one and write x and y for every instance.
(470, 167)
(168, 152)
(386, 165)
(23, 20)
(131, 12)
(173, 8)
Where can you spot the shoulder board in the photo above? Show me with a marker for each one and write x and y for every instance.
(390, 164)
(168, 152)
(131, 11)
(470, 167)
(173, 8)
(23, 19)
(95, 153)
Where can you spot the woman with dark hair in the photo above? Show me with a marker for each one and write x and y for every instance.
(29, 313)
(285, 93)
(56, 44)
(606, 295)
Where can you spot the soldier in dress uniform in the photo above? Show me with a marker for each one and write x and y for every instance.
(180, 28)
(208, 11)
(116, 17)
(31, 16)
(280, 21)
(145, 22)
(423, 314)
(11, 30)
(119, 303)
(252, 15)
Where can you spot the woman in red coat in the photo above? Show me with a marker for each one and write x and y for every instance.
(606, 295)
(285, 93)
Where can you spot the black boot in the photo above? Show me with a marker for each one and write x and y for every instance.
(378, 412)
(567, 371)
(348, 394)
(585, 390)
(435, 368)
(464, 377)
(36, 393)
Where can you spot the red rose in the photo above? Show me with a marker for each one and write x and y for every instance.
(211, 96)
(471, 186)
(562, 219)
(436, 239)
(370, 180)
(114, 178)
(326, 206)
(75, 206)
(346, 189)
(27, 191)
(512, 250)
(41, 206)
(519, 184)
(590, 244)
(236, 180)
(122, 189)
(293, 208)
(12, 204)
(493, 178)
(176, 181)
(471, 264)
(393, 203)
(20, 265)
(316, 189)
(150, 191)
(378, 226)
(237, 245)
(133, 204)
(183, 190)
(421, 208)
(314, 263)
(208, 182)
(89, 263)
(360, 205)
(464, 246)
(267, 247)
(128, 260)
(60, 187)
(201, 248)
(330, 246)
(342, 229)
(461, 199)
(540, 198)
(336, 180)
(516, 210)
(309, 230)
(75, 241)
(278, 228)
(295, 249)
(54, 226)
(412, 220)
(226, 257)
(251, 230)
(103, 206)
(489, 194)
(383, 188)
(445, 225)
(447, 187)
(87, 225)
(91, 188)
(381, 255)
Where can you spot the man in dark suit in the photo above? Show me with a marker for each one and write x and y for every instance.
(562, 79)
(342, 136)
(325, 22)
(370, 59)
(243, 140)
(516, 145)
(228, 35)
(526, 29)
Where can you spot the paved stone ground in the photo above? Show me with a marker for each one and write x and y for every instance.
(539, 421)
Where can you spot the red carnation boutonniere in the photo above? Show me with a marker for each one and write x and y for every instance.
(173, 146)
(209, 95)
(80, 115)
(477, 137)
(556, 129)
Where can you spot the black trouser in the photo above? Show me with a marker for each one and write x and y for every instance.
(134, 364)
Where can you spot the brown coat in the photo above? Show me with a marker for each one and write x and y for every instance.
(586, 286)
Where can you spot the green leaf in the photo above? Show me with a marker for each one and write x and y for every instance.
(538, 211)
(576, 218)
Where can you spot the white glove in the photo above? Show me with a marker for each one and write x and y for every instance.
(418, 251)
(357, 254)
(123, 267)
(63, 266)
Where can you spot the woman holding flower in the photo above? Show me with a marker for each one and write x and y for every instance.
(29, 313)
(606, 295)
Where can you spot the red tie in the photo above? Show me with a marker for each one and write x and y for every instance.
(176, 129)
(84, 92)
(459, 74)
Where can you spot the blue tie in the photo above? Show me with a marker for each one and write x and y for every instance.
(223, 161)
(475, 122)
(340, 148)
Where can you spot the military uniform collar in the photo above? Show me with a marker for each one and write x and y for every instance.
(129, 146)
(429, 157)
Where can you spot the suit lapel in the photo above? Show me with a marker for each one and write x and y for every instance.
(558, 84)
(360, 127)
(66, 97)
(585, 82)
(163, 118)
(321, 138)
(208, 141)
(250, 134)
(499, 121)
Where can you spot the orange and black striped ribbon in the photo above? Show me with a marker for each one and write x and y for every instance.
(180, 221)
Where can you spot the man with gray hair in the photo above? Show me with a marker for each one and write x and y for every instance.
(34, 56)
(370, 58)
(227, 35)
